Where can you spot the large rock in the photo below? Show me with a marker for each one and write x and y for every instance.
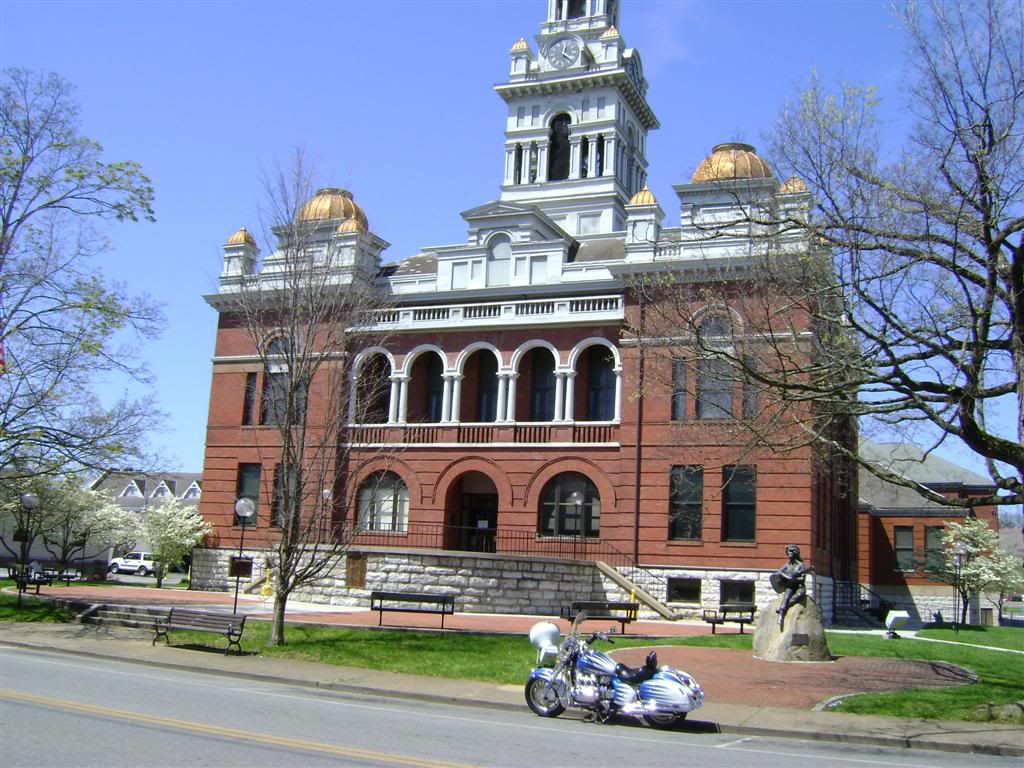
(801, 639)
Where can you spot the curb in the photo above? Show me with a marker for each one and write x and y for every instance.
(739, 729)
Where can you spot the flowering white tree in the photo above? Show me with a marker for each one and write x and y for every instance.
(983, 567)
(83, 524)
(171, 530)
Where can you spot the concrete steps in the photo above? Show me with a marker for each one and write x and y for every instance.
(121, 616)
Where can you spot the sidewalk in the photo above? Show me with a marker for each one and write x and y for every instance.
(729, 677)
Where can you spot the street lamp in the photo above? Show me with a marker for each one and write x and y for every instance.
(576, 502)
(29, 503)
(244, 509)
(959, 553)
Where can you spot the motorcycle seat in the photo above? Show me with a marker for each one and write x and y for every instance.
(637, 675)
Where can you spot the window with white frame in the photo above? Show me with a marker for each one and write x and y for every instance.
(384, 503)
(131, 491)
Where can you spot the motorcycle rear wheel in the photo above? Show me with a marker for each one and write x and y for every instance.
(543, 699)
(664, 721)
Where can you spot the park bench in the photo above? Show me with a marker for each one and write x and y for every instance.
(230, 625)
(616, 610)
(738, 613)
(69, 575)
(37, 580)
(415, 602)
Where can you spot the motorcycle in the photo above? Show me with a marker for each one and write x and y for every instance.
(574, 675)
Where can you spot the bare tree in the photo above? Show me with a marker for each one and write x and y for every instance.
(61, 323)
(904, 307)
(308, 311)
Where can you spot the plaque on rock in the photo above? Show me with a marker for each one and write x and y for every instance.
(799, 639)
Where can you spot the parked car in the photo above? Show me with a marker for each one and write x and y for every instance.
(139, 563)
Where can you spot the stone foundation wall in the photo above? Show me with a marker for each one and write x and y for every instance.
(480, 583)
(496, 583)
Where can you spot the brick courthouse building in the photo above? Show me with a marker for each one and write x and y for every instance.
(528, 467)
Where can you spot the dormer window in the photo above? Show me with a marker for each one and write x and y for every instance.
(162, 491)
(131, 491)
(192, 492)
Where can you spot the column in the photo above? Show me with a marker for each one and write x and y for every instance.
(618, 395)
(510, 409)
(456, 397)
(510, 163)
(609, 155)
(542, 161)
(502, 396)
(352, 398)
(396, 389)
(559, 394)
(570, 395)
(403, 400)
(446, 398)
(574, 157)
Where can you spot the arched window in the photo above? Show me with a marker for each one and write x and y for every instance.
(499, 252)
(542, 385)
(279, 346)
(373, 391)
(559, 152)
(570, 506)
(384, 503)
(600, 384)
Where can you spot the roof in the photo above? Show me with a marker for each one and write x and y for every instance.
(911, 462)
(113, 482)
(420, 264)
(612, 249)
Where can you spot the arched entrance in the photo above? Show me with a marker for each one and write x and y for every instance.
(471, 512)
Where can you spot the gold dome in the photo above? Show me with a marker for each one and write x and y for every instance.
(731, 161)
(643, 197)
(521, 45)
(794, 185)
(610, 32)
(241, 237)
(350, 225)
(332, 203)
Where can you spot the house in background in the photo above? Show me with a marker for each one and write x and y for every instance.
(898, 526)
(137, 492)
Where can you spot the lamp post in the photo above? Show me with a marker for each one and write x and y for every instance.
(29, 503)
(959, 552)
(244, 509)
(576, 501)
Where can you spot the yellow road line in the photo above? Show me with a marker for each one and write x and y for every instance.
(229, 733)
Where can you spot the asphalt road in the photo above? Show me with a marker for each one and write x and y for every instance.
(63, 710)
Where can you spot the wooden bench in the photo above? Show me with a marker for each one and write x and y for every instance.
(415, 602)
(737, 613)
(616, 610)
(230, 625)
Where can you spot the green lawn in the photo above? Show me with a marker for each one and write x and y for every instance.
(996, 637)
(31, 609)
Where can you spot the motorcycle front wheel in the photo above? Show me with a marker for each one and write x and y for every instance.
(664, 721)
(542, 698)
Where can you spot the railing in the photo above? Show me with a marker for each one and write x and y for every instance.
(851, 594)
(506, 540)
(521, 311)
(482, 434)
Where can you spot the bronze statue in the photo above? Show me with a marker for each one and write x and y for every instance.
(789, 581)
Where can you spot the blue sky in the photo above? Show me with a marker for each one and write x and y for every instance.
(394, 101)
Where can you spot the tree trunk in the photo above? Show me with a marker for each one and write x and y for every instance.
(159, 576)
(277, 624)
(964, 597)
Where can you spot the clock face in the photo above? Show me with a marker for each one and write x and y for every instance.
(633, 71)
(563, 52)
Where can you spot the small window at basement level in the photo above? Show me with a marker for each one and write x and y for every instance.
(683, 590)
(734, 592)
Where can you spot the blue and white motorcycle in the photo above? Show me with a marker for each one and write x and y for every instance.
(573, 675)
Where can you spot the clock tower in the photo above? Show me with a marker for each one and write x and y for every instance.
(578, 117)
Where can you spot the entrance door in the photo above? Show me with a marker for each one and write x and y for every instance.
(479, 521)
